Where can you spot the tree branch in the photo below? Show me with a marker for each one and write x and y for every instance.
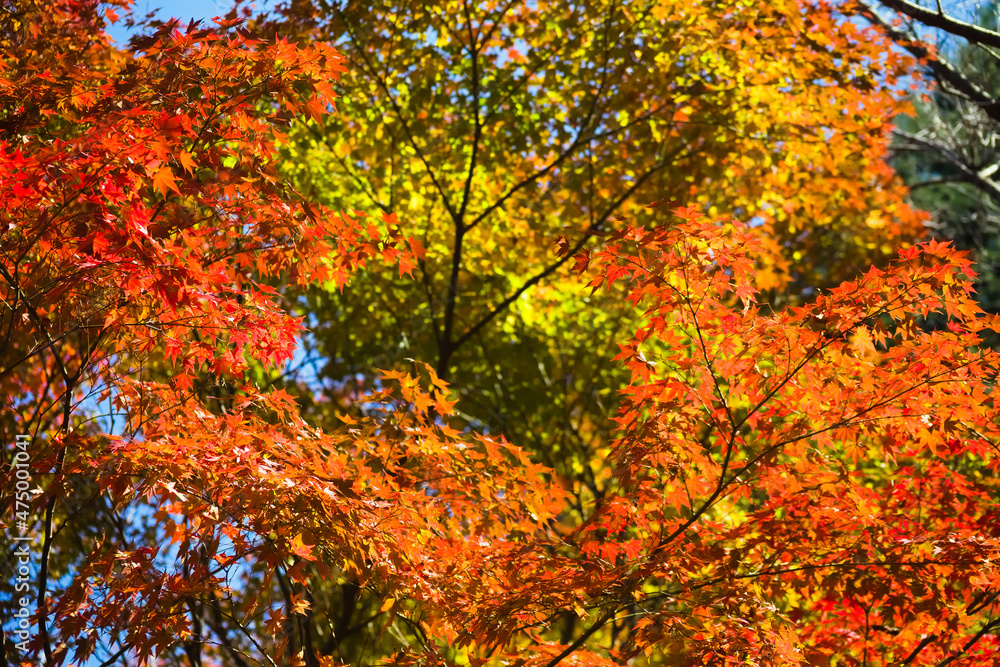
(942, 21)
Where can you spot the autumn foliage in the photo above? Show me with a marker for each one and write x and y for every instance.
(812, 484)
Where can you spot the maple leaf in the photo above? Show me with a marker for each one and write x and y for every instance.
(187, 161)
(164, 180)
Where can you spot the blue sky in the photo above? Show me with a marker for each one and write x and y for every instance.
(182, 9)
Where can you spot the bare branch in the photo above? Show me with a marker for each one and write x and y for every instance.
(944, 22)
